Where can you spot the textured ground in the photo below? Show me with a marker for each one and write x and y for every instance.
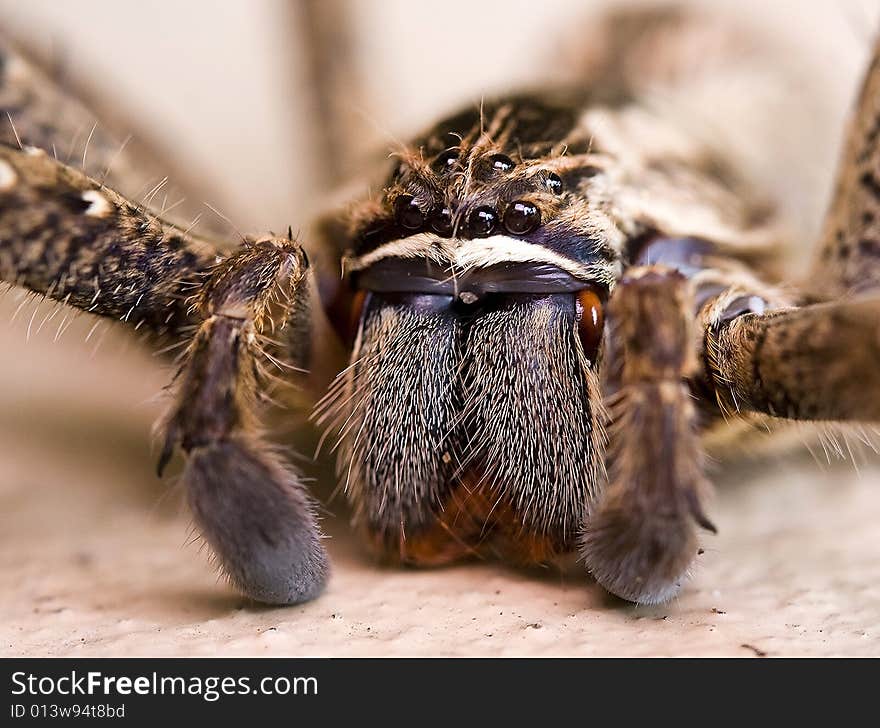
(95, 560)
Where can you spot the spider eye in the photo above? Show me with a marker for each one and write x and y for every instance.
(500, 163)
(445, 161)
(441, 221)
(521, 217)
(554, 183)
(591, 321)
(407, 213)
(482, 222)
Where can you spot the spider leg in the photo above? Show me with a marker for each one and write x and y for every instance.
(66, 236)
(760, 352)
(250, 505)
(821, 361)
(642, 533)
(848, 259)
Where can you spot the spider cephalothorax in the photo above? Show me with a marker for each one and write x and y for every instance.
(508, 178)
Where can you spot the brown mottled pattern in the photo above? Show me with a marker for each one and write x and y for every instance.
(66, 236)
(820, 362)
(849, 257)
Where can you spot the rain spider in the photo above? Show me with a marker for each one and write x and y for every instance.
(553, 299)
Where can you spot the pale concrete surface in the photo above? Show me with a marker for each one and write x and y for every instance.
(94, 557)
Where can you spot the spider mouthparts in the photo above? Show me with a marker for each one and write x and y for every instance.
(420, 275)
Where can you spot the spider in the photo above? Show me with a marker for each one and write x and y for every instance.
(554, 301)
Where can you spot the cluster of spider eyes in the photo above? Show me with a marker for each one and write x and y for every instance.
(519, 217)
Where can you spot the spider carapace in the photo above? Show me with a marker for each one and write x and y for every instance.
(549, 302)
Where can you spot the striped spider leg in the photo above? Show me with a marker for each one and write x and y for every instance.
(813, 354)
(242, 316)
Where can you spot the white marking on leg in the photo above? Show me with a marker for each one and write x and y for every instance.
(8, 177)
(99, 205)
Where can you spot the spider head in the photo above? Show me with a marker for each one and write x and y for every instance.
(483, 208)
(483, 188)
(482, 274)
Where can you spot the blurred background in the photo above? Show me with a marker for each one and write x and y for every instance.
(94, 553)
(228, 87)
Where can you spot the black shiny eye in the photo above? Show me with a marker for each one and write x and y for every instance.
(554, 183)
(482, 222)
(445, 161)
(441, 221)
(500, 163)
(407, 213)
(521, 217)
